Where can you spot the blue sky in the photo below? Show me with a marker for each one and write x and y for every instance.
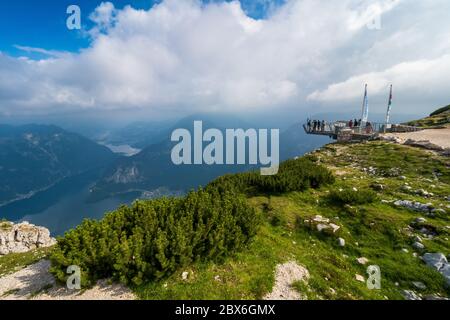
(41, 24)
(183, 57)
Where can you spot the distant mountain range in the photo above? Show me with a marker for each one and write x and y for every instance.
(152, 168)
(35, 157)
(137, 135)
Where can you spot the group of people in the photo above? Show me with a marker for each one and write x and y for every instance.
(321, 125)
(357, 123)
(354, 123)
(316, 125)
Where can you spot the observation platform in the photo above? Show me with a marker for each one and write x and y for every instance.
(344, 131)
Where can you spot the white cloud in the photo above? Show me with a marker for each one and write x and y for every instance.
(421, 79)
(370, 14)
(51, 53)
(184, 57)
(103, 17)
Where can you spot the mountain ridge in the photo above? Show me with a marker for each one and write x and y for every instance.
(334, 232)
(152, 168)
(35, 157)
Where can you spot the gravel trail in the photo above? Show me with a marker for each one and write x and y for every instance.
(36, 283)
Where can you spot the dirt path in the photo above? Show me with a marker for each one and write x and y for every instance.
(36, 283)
(440, 137)
(285, 275)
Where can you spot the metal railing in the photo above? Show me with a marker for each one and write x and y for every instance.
(369, 128)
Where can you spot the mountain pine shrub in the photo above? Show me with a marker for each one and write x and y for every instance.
(441, 110)
(152, 239)
(294, 175)
(352, 197)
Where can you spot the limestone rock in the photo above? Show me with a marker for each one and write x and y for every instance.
(445, 271)
(439, 262)
(434, 297)
(334, 227)
(23, 237)
(420, 220)
(362, 260)
(377, 187)
(410, 295)
(391, 139)
(321, 224)
(439, 211)
(435, 260)
(359, 278)
(419, 285)
(417, 245)
(341, 242)
(320, 227)
(320, 219)
(424, 144)
(406, 188)
(424, 193)
(412, 205)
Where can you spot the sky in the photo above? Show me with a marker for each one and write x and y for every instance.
(44, 24)
(173, 57)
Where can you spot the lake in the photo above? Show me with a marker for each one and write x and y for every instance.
(63, 206)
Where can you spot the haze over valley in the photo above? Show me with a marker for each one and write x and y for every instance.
(56, 178)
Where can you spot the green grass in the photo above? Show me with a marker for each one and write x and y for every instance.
(5, 225)
(16, 261)
(372, 229)
(440, 111)
(439, 118)
(375, 230)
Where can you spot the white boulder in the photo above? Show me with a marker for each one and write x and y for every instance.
(23, 237)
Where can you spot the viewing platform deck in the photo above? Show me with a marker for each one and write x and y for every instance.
(342, 131)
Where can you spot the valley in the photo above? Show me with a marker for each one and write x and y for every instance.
(375, 230)
(109, 174)
(34, 158)
(225, 157)
(310, 232)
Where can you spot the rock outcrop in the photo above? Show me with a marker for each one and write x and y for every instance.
(425, 144)
(433, 140)
(438, 262)
(23, 237)
(414, 205)
(322, 224)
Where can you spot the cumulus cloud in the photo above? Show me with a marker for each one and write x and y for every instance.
(187, 56)
(421, 79)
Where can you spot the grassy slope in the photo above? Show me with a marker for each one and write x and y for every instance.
(440, 117)
(375, 231)
(17, 261)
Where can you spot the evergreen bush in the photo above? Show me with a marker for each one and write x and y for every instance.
(350, 197)
(151, 239)
(294, 175)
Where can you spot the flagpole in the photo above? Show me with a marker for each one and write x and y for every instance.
(364, 106)
(388, 113)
